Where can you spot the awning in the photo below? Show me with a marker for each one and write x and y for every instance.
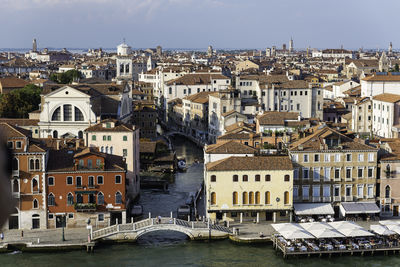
(303, 209)
(359, 208)
(381, 230)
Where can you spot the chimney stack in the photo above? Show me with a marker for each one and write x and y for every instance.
(77, 144)
(58, 144)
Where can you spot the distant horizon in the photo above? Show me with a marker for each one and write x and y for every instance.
(195, 24)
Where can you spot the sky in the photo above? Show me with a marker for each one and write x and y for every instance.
(199, 23)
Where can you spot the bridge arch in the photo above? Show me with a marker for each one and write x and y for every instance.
(172, 228)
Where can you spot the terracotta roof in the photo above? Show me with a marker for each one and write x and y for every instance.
(200, 98)
(195, 79)
(20, 122)
(390, 98)
(147, 147)
(118, 127)
(239, 136)
(251, 163)
(230, 147)
(12, 82)
(389, 77)
(9, 131)
(276, 117)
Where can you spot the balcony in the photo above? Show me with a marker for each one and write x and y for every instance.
(91, 186)
(82, 207)
(387, 201)
(16, 194)
(326, 199)
(336, 198)
(15, 173)
(316, 199)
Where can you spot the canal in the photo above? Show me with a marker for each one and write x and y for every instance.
(174, 249)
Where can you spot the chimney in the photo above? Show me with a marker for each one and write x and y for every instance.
(77, 144)
(58, 144)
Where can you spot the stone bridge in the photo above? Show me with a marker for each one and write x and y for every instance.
(193, 229)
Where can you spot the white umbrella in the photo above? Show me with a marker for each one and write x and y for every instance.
(394, 228)
(279, 227)
(381, 230)
(355, 232)
(315, 226)
(299, 234)
(326, 233)
(390, 222)
(344, 225)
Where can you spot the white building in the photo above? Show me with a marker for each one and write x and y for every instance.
(380, 83)
(386, 115)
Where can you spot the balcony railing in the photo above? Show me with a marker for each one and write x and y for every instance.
(16, 194)
(85, 206)
(15, 173)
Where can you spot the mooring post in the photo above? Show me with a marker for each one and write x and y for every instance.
(152, 221)
(149, 215)
(188, 218)
(208, 223)
(175, 221)
(192, 225)
(227, 223)
(171, 214)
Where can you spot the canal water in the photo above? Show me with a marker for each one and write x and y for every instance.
(173, 249)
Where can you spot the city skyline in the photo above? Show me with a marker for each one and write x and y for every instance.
(197, 24)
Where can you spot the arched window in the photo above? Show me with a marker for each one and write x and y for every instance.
(235, 198)
(213, 198)
(286, 198)
(287, 178)
(100, 198)
(31, 164)
(35, 186)
(245, 198)
(106, 149)
(111, 150)
(67, 112)
(15, 186)
(37, 164)
(213, 178)
(251, 198)
(387, 191)
(51, 200)
(78, 114)
(70, 199)
(79, 198)
(80, 135)
(56, 114)
(35, 204)
(235, 178)
(15, 164)
(55, 134)
(118, 198)
(257, 197)
(267, 198)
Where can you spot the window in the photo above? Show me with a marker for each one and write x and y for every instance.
(360, 191)
(337, 173)
(257, 196)
(69, 180)
(348, 191)
(295, 158)
(70, 199)
(118, 198)
(360, 173)
(104, 138)
(305, 158)
(98, 162)
(306, 191)
(235, 178)
(78, 114)
(235, 198)
(51, 216)
(251, 198)
(79, 198)
(67, 112)
(18, 144)
(327, 174)
(336, 191)
(267, 198)
(245, 178)
(295, 192)
(91, 181)
(100, 217)
(109, 138)
(337, 157)
(90, 163)
(360, 157)
(10, 144)
(117, 179)
(37, 164)
(287, 178)
(306, 173)
(370, 172)
(50, 181)
(93, 137)
(348, 172)
(286, 198)
(387, 191)
(296, 174)
(35, 204)
(70, 215)
(213, 178)
(370, 191)
(100, 198)
(245, 198)
(213, 198)
(348, 157)
(100, 179)
(51, 200)
(316, 174)
(125, 152)
(370, 157)
(78, 181)
(91, 198)
(125, 138)
(258, 178)
(316, 158)
(56, 115)
(267, 177)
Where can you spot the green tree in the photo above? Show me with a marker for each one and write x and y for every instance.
(396, 68)
(65, 77)
(19, 102)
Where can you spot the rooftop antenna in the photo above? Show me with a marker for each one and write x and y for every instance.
(123, 40)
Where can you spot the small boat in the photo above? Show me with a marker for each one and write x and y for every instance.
(183, 212)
